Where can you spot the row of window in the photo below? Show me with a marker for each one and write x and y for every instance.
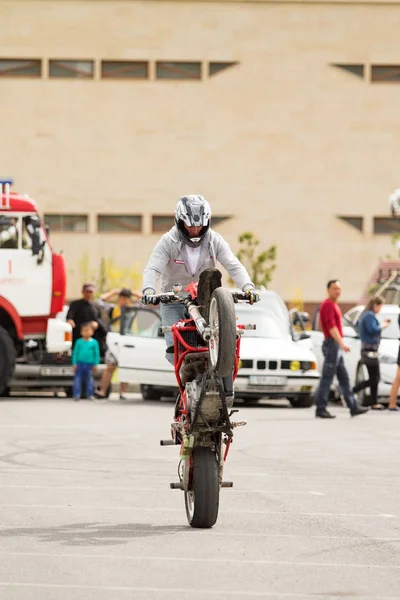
(114, 223)
(110, 69)
(162, 223)
(141, 69)
(379, 73)
(381, 225)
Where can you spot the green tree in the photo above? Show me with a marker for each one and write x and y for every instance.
(108, 275)
(260, 266)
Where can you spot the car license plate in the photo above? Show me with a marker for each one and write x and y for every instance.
(57, 371)
(267, 380)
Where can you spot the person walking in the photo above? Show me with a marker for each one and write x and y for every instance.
(369, 330)
(333, 347)
(85, 358)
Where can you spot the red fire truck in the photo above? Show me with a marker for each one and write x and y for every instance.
(32, 289)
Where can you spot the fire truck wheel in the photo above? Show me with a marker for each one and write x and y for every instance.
(7, 359)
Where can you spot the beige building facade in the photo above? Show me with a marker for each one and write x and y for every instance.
(284, 115)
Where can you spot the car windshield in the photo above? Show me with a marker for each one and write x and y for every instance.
(267, 324)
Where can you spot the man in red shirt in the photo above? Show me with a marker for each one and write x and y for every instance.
(330, 317)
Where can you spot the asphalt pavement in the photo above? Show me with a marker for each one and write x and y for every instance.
(86, 511)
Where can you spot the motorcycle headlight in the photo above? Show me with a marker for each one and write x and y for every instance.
(388, 360)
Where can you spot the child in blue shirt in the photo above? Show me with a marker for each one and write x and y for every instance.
(85, 358)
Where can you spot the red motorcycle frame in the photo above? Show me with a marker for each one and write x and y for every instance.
(206, 362)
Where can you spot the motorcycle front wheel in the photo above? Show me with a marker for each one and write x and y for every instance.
(222, 322)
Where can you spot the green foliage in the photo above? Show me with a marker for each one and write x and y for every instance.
(108, 275)
(260, 266)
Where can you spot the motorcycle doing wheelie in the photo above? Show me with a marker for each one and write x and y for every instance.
(206, 362)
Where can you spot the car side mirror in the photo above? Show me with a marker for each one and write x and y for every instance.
(304, 336)
(304, 316)
(300, 318)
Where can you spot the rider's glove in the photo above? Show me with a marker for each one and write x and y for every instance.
(147, 296)
(251, 294)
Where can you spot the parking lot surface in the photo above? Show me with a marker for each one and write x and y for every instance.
(87, 513)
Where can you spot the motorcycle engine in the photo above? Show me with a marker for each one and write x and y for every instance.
(193, 391)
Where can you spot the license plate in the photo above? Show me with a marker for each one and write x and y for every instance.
(267, 380)
(56, 371)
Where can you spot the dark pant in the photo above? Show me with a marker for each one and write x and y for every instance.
(83, 374)
(333, 365)
(372, 382)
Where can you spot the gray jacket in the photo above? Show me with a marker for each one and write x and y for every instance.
(169, 263)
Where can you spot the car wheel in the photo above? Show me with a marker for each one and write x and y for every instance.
(7, 359)
(150, 393)
(302, 401)
(5, 393)
(363, 396)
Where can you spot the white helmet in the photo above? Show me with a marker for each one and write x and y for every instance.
(193, 211)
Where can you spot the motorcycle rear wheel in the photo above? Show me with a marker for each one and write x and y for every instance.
(202, 499)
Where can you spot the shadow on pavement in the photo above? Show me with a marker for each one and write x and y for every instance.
(92, 534)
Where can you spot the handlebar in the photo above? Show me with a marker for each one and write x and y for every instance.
(172, 297)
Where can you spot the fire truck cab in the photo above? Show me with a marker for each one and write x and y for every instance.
(32, 286)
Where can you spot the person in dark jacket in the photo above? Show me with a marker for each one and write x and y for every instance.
(86, 310)
(370, 330)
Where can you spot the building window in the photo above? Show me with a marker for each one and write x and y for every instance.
(124, 69)
(178, 70)
(386, 225)
(217, 67)
(356, 222)
(10, 67)
(78, 69)
(77, 223)
(357, 70)
(217, 220)
(162, 223)
(385, 73)
(119, 223)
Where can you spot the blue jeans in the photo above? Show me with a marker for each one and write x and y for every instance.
(333, 365)
(170, 314)
(83, 373)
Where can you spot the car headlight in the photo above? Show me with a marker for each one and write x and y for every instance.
(295, 365)
(389, 360)
(308, 365)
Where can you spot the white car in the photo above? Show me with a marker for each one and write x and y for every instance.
(388, 349)
(272, 364)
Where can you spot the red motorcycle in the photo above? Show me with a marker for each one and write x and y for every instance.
(206, 361)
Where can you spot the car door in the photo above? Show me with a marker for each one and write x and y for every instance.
(317, 337)
(352, 340)
(140, 349)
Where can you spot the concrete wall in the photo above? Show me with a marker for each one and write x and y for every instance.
(283, 142)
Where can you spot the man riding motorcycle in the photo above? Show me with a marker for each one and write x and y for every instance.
(182, 254)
